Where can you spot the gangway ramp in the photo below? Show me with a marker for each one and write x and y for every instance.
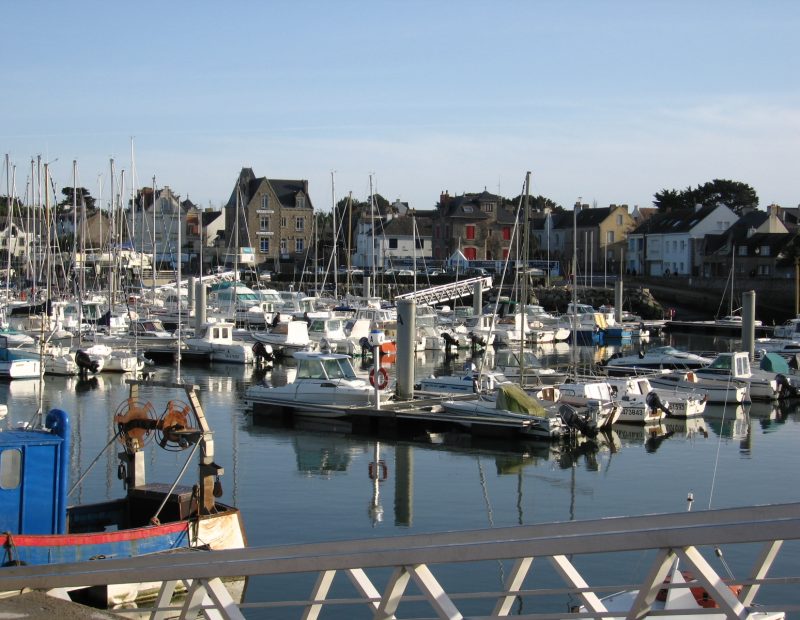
(447, 292)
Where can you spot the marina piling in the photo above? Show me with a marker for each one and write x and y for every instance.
(749, 323)
(406, 331)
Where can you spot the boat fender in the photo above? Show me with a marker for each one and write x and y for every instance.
(217, 488)
(382, 380)
(121, 472)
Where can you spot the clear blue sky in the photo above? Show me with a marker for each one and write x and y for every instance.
(611, 101)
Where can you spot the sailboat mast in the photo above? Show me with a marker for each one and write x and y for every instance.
(111, 241)
(335, 236)
(153, 267)
(349, 238)
(524, 284)
(180, 304)
(372, 217)
(9, 220)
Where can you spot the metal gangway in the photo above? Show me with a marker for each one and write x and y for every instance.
(423, 576)
(447, 292)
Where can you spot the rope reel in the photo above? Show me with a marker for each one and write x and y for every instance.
(135, 421)
(177, 427)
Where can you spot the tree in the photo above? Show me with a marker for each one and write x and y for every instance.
(735, 195)
(83, 198)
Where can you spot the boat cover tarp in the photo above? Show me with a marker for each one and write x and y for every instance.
(514, 398)
(773, 362)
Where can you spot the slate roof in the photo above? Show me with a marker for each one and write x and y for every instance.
(468, 206)
(286, 190)
(403, 226)
(210, 216)
(675, 221)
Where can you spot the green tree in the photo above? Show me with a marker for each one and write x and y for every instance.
(84, 197)
(735, 195)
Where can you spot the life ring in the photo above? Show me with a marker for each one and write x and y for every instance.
(383, 378)
(378, 471)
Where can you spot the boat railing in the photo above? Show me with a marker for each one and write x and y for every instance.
(425, 575)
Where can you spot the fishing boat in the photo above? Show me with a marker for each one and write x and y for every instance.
(214, 343)
(40, 528)
(688, 382)
(285, 338)
(735, 366)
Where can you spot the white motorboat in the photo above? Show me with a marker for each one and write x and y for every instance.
(638, 406)
(214, 342)
(684, 602)
(735, 366)
(688, 382)
(325, 385)
(534, 373)
(595, 395)
(658, 358)
(114, 360)
(285, 338)
(676, 404)
(512, 405)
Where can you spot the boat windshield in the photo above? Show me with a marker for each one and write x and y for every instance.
(339, 369)
(723, 362)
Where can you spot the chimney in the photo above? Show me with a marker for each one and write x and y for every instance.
(305, 187)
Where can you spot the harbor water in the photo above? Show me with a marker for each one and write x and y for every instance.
(309, 484)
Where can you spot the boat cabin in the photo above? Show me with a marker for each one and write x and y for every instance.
(34, 470)
(219, 333)
(324, 366)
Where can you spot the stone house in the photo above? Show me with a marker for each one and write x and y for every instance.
(479, 225)
(275, 217)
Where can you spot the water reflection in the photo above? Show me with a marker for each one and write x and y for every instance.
(728, 421)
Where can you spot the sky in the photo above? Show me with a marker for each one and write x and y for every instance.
(610, 101)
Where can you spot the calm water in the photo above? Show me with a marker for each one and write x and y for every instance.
(298, 486)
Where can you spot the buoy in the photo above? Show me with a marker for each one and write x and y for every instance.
(382, 380)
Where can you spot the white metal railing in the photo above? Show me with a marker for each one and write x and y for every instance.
(394, 563)
(447, 292)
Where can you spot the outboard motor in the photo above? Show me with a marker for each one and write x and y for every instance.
(366, 347)
(263, 354)
(449, 344)
(785, 387)
(85, 363)
(476, 342)
(653, 401)
(577, 422)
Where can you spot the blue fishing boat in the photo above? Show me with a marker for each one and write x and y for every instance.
(39, 527)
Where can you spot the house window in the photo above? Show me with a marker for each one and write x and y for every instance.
(265, 201)
(299, 223)
(298, 245)
(420, 244)
(764, 250)
(619, 220)
(506, 233)
(284, 247)
(488, 207)
(609, 237)
(436, 232)
(683, 245)
(392, 243)
(264, 245)
(505, 253)
(300, 203)
(470, 232)
(263, 222)
(470, 253)
(468, 209)
(742, 250)
(763, 270)
(283, 222)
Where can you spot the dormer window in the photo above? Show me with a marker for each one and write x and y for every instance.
(488, 207)
(467, 208)
(300, 201)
